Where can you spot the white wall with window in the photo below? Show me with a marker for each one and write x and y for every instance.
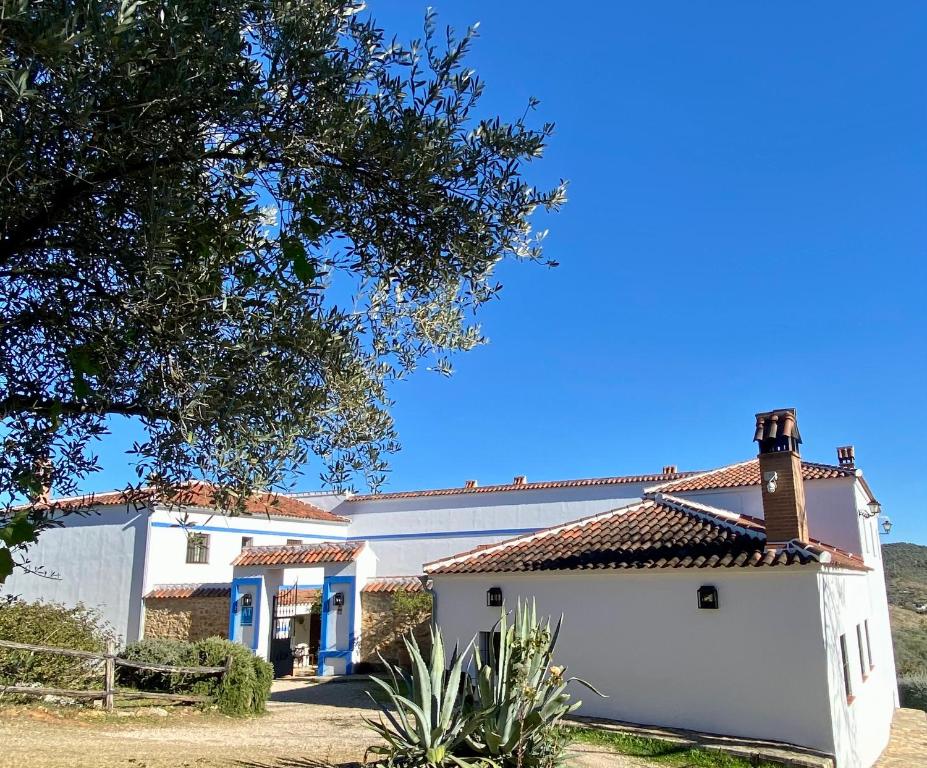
(198, 547)
(861, 666)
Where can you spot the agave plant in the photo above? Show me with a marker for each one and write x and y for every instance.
(522, 695)
(431, 719)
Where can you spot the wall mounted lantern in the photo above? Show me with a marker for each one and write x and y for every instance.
(771, 479)
(872, 509)
(708, 597)
(338, 599)
(494, 597)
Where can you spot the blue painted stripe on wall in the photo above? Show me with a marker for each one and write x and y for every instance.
(224, 529)
(447, 534)
(375, 537)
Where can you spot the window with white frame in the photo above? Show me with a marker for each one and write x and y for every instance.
(868, 643)
(198, 548)
(845, 662)
(863, 669)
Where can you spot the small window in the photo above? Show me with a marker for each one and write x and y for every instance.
(863, 669)
(198, 548)
(490, 642)
(294, 542)
(845, 661)
(247, 541)
(868, 643)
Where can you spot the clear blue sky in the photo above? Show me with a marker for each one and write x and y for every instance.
(746, 230)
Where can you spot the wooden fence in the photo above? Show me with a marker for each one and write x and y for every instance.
(110, 660)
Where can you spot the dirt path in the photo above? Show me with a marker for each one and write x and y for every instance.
(307, 726)
(291, 735)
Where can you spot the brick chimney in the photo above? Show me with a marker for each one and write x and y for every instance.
(43, 471)
(846, 456)
(780, 477)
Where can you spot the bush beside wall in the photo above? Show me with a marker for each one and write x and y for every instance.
(55, 625)
(242, 691)
(913, 691)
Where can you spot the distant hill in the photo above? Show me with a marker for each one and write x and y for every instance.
(906, 582)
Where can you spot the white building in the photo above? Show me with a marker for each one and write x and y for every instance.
(747, 600)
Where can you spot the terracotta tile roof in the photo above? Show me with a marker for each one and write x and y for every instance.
(661, 532)
(166, 591)
(538, 486)
(386, 584)
(746, 473)
(302, 554)
(200, 495)
(303, 595)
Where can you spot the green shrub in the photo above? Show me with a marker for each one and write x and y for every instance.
(246, 686)
(508, 719)
(913, 691)
(243, 690)
(51, 624)
(523, 694)
(156, 650)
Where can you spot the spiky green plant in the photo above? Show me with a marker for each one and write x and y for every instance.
(522, 695)
(431, 720)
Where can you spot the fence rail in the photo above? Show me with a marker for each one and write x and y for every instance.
(110, 660)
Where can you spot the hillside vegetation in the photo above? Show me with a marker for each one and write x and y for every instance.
(906, 581)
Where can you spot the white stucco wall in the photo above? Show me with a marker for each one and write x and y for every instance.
(756, 667)
(861, 727)
(168, 543)
(98, 559)
(831, 506)
(405, 533)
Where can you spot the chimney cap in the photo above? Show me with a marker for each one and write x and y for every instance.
(777, 430)
(520, 480)
(846, 456)
(670, 469)
(470, 484)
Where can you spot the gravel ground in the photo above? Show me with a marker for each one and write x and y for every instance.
(307, 726)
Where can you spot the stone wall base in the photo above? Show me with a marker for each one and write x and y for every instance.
(382, 631)
(188, 618)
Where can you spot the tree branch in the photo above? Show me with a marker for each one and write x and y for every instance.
(14, 404)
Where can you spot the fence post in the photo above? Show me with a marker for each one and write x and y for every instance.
(110, 675)
(228, 666)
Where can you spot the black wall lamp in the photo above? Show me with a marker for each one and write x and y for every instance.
(708, 597)
(494, 597)
(338, 599)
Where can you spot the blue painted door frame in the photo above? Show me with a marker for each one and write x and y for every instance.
(334, 652)
(235, 615)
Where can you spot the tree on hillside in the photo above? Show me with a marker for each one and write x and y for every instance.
(235, 221)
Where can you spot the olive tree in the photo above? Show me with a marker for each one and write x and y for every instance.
(236, 222)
